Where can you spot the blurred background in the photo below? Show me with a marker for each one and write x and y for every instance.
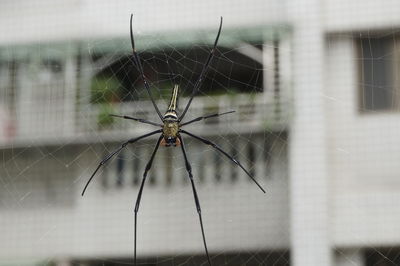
(315, 85)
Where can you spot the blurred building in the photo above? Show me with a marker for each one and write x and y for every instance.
(315, 89)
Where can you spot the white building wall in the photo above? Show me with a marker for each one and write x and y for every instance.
(364, 150)
(366, 15)
(88, 19)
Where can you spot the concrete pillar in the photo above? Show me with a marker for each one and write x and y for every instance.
(308, 163)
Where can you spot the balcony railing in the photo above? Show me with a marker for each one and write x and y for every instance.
(252, 113)
(52, 124)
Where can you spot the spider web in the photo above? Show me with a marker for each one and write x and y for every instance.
(56, 98)
(46, 172)
(168, 209)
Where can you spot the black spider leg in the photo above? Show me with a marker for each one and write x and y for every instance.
(215, 146)
(203, 72)
(196, 198)
(137, 119)
(205, 117)
(139, 66)
(109, 156)
(139, 196)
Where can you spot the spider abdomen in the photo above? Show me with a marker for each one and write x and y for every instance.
(170, 132)
(171, 129)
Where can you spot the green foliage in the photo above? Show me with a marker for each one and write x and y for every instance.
(103, 118)
(105, 90)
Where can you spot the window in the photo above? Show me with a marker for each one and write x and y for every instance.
(382, 257)
(378, 74)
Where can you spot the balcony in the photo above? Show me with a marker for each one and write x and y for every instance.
(48, 104)
(46, 99)
(55, 125)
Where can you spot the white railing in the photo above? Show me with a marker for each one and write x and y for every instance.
(253, 113)
(211, 167)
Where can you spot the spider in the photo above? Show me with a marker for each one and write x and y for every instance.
(171, 134)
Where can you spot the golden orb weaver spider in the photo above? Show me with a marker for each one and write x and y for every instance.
(171, 129)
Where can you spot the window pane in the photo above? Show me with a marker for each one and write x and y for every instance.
(377, 66)
(382, 257)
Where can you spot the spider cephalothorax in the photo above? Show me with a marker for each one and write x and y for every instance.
(170, 135)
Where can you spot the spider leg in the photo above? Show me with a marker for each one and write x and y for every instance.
(139, 196)
(196, 198)
(203, 72)
(215, 146)
(109, 156)
(139, 66)
(137, 119)
(205, 117)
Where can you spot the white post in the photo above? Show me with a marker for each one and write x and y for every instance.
(308, 167)
(70, 92)
(268, 72)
